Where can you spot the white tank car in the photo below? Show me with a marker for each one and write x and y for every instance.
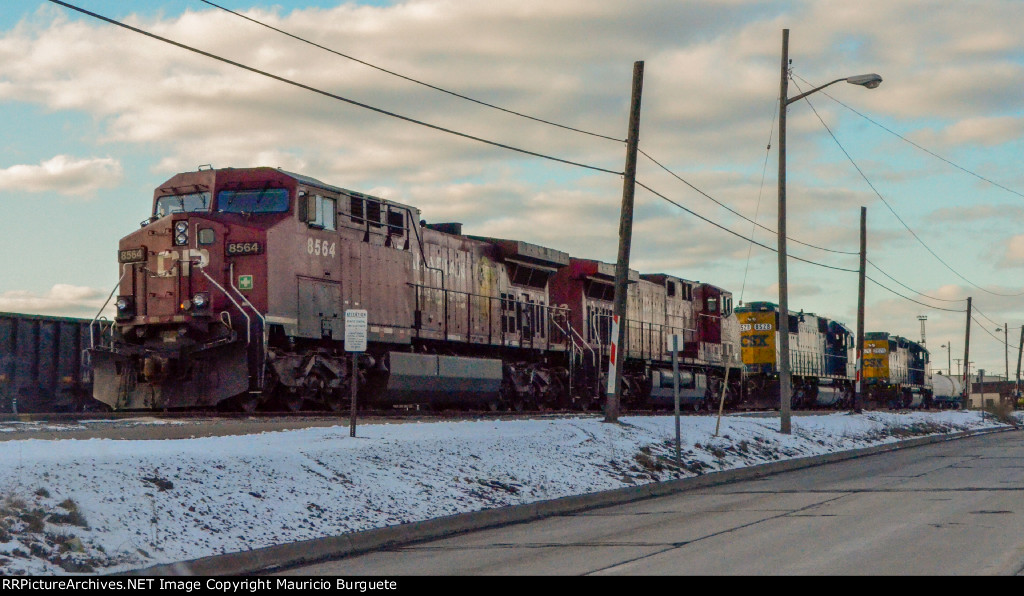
(947, 390)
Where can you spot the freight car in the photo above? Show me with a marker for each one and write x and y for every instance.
(947, 391)
(821, 358)
(44, 364)
(234, 292)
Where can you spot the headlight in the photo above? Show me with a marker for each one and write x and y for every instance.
(181, 233)
(125, 306)
(200, 300)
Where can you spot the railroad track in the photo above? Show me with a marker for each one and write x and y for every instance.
(363, 415)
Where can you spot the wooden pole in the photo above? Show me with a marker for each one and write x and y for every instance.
(857, 398)
(967, 356)
(785, 380)
(611, 413)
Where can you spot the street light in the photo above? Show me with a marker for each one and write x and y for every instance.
(949, 358)
(785, 381)
(1006, 347)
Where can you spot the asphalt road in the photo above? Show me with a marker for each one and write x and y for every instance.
(943, 509)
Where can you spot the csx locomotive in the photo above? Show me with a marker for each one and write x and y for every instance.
(234, 293)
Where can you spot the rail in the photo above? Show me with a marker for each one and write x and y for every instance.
(92, 337)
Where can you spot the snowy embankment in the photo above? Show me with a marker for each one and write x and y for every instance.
(101, 506)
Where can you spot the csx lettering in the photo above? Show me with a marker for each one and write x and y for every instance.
(754, 341)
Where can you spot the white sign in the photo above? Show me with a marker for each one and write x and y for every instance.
(355, 330)
(612, 378)
(675, 343)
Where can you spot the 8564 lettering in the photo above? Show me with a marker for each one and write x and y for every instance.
(244, 248)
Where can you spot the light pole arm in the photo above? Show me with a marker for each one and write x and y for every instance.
(816, 89)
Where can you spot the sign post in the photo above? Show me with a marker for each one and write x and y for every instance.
(355, 343)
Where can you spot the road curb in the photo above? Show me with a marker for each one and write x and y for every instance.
(321, 549)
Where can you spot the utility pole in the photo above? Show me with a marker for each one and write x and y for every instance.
(785, 380)
(1006, 349)
(967, 355)
(611, 413)
(1020, 348)
(922, 318)
(857, 400)
(869, 81)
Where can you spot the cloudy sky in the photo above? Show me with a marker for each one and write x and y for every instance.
(95, 116)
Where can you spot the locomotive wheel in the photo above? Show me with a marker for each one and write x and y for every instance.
(247, 402)
(583, 403)
(337, 403)
(291, 402)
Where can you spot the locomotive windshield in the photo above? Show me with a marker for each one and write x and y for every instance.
(191, 202)
(267, 200)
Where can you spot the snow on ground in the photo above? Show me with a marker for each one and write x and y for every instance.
(102, 506)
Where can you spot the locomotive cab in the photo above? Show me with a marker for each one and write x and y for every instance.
(188, 320)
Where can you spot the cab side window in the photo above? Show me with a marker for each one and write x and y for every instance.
(321, 212)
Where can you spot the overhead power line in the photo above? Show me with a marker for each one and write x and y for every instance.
(734, 212)
(886, 203)
(796, 258)
(996, 337)
(329, 94)
(922, 148)
(912, 289)
(410, 79)
(737, 234)
(907, 298)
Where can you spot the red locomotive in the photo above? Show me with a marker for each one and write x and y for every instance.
(234, 292)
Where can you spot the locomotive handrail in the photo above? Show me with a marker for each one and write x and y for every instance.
(248, 321)
(263, 323)
(577, 347)
(546, 307)
(92, 340)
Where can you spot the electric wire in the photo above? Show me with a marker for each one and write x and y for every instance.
(869, 278)
(996, 337)
(760, 190)
(734, 212)
(925, 149)
(912, 289)
(737, 234)
(886, 203)
(974, 308)
(796, 258)
(494, 143)
(410, 79)
(329, 94)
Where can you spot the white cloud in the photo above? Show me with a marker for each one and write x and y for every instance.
(60, 300)
(952, 79)
(63, 174)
